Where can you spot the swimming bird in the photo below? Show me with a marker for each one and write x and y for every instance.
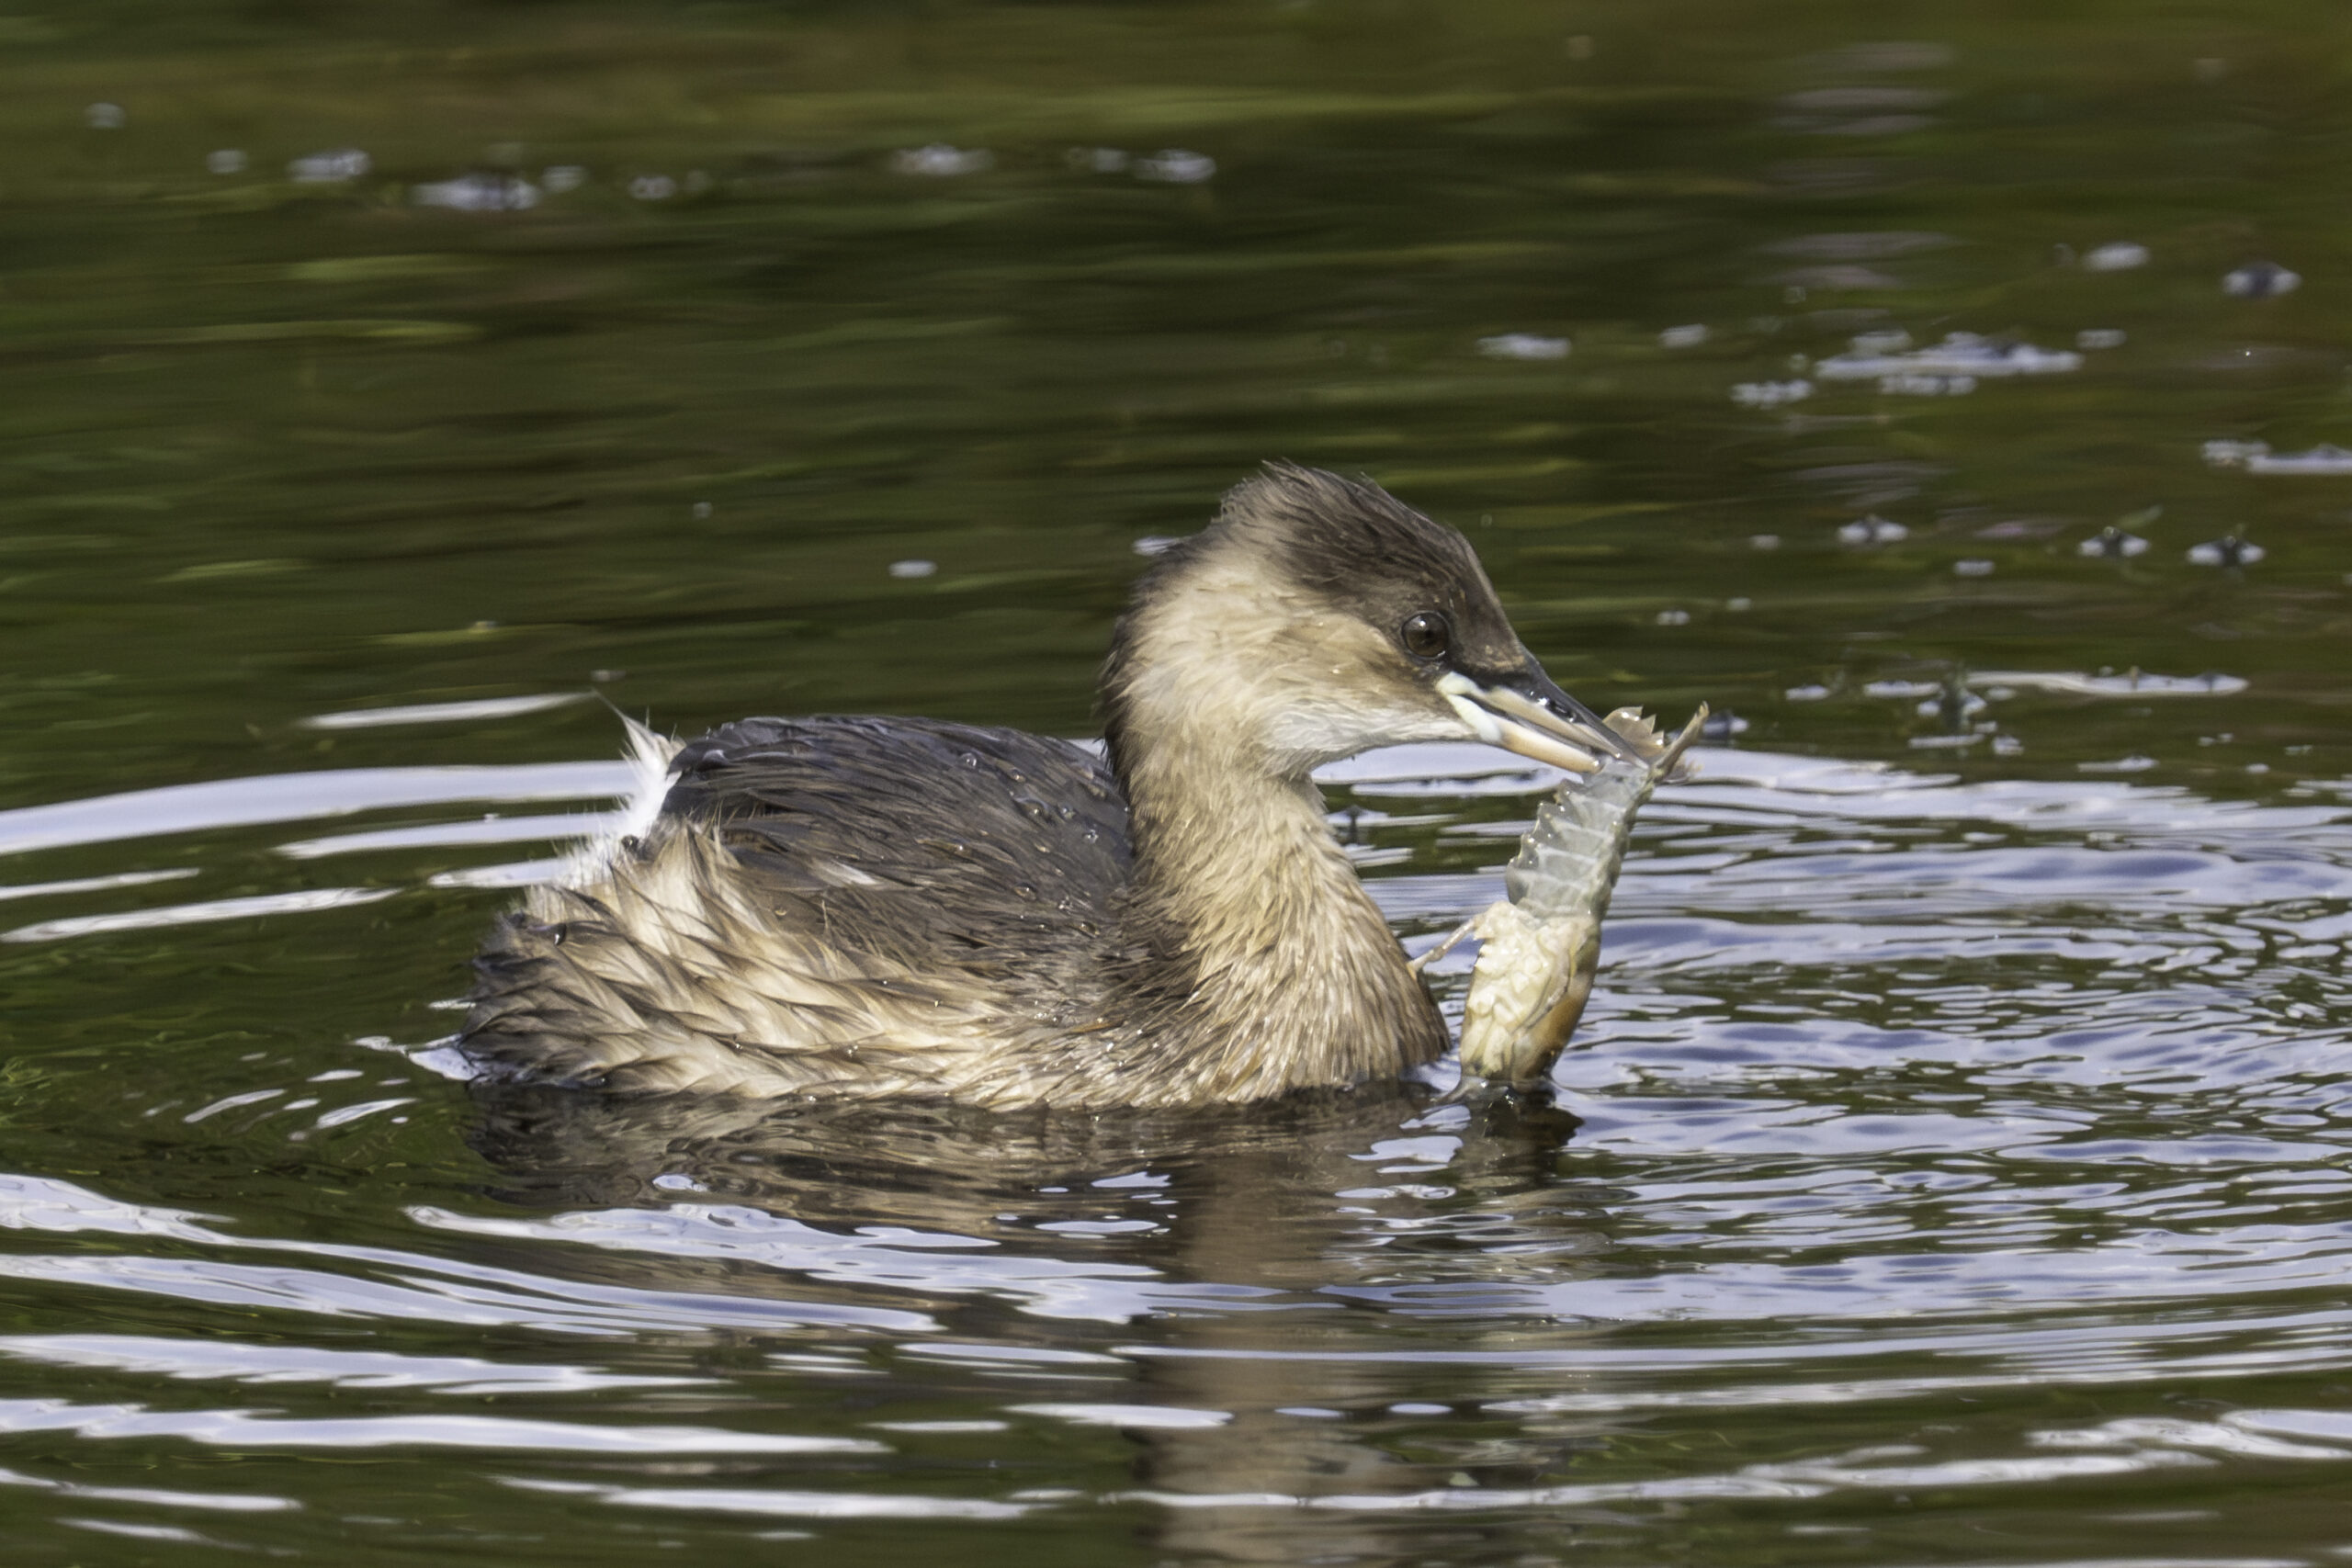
(872, 906)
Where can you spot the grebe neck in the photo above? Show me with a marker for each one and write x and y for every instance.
(1292, 976)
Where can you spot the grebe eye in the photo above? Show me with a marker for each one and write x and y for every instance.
(1425, 636)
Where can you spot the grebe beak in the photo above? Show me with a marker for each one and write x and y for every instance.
(1524, 712)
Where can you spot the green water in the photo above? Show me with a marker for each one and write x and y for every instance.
(1956, 1173)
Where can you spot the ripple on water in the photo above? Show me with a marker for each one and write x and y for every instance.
(1901, 1094)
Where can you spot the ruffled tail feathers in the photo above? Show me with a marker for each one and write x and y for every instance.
(650, 756)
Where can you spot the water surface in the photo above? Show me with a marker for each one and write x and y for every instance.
(1955, 1169)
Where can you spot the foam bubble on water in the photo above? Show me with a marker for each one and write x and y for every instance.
(2113, 543)
(2108, 683)
(1524, 345)
(1959, 354)
(2323, 460)
(1872, 530)
(1689, 336)
(558, 178)
(2120, 256)
(1174, 165)
(225, 161)
(1968, 707)
(912, 568)
(2261, 280)
(2227, 552)
(478, 193)
(1972, 568)
(2229, 454)
(653, 187)
(1917, 386)
(1097, 159)
(1771, 394)
(2099, 337)
(939, 160)
(105, 117)
(334, 166)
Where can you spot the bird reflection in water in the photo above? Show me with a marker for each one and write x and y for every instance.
(936, 1165)
(1281, 1241)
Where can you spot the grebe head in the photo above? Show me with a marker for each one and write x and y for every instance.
(1315, 618)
